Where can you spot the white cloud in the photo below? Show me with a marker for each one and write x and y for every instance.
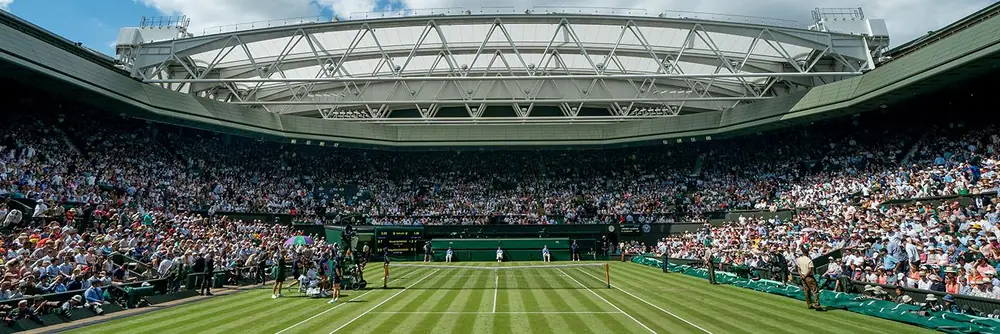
(5, 4)
(213, 13)
(906, 19)
(345, 8)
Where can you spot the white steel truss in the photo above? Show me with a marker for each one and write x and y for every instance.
(626, 66)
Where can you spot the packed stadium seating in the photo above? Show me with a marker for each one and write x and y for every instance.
(151, 190)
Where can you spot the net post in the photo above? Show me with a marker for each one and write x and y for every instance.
(607, 274)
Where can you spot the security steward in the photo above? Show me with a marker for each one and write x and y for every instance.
(206, 284)
(710, 265)
(809, 286)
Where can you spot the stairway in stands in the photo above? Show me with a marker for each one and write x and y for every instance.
(69, 141)
(166, 143)
(916, 146)
(699, 163)
(368, 163)
(73, 142)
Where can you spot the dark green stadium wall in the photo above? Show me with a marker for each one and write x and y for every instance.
(514, 249)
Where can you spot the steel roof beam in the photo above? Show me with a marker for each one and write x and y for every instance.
(754, 63)
(302, 109)
(315, 105)
(503, 76)
(279, 92)
(494, 101)
(669, 93)
(852, 46)
(520, 77)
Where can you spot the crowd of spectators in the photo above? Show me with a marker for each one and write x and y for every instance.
(160, 168)
(55, 257)
(137, 183)
(944, 244)
(106, 210)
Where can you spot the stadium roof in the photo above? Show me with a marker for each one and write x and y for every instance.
(936, 35)
(475, 65)
(32, 56)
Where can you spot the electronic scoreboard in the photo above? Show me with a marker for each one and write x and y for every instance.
(630, 229)
(400, 242)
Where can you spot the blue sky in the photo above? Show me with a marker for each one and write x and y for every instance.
(96, 23)
(93, 22)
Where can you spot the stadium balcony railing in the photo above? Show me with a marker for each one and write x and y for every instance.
(966, 302)
(963, 199)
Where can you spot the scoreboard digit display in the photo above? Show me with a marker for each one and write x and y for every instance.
(401, 242)
(630, 229)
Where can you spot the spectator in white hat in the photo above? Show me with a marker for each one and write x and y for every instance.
(930, 303)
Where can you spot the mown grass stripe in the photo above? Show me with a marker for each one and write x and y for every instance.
(635, 297)
(503, 323)
(349, 322)
(548, 300)
(518, 303)
(231, 322)
(704, 316)
(468, 292)
(574, 300)
(460, 302)
(158, 316)
(528, 302)
(790, 313)
(605, 300)
(476, 302)
(480, 323)
(712, 299)
(158, 323)
(444, 301)
(644, 314)
(318, 310)
(345, 310)
(736, 319)
(411, 300)
(752, 299)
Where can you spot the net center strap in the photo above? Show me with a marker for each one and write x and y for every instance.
(555, 266)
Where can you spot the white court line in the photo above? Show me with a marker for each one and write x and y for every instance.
(522, 312)
(650, 304)
(383, 302)
(496, 286)
(480, 275)
(609, 303)
(324, 312)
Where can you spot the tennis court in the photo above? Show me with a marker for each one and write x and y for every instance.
(514, 298)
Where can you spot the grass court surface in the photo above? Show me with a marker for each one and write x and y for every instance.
(510, 300)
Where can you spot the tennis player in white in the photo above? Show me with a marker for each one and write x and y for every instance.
(447, 255)
(546, 257)
(499, 254)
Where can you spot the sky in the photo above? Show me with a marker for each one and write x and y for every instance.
(96, 23)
